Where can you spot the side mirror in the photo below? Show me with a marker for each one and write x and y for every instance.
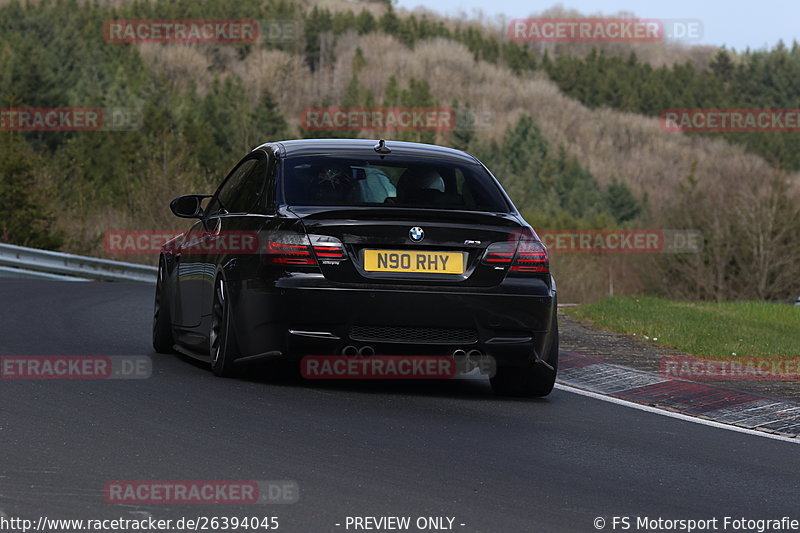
(188, 205)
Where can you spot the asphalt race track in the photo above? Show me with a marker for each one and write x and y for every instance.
(447, 449)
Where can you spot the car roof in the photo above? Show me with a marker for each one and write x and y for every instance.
(364, 148)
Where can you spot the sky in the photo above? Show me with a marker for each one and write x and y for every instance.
(735, 24)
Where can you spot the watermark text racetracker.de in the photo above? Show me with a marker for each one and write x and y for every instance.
(201, 31)
(603, 29)
(75, 367)
(156, 492)
(378, 118)
(196, 242)
(70, 119)
(688, 525)
(732, 120)
(637, 241)
(742, 368)
(395, 118)
(467, 365)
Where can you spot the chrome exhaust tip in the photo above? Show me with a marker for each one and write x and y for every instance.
(460, 358)
(474, 353)
(366, 350)
(349, 350)
(473, 359)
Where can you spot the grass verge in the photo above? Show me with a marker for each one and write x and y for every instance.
(704, 329)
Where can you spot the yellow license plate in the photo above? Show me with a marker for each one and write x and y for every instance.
(414, 261)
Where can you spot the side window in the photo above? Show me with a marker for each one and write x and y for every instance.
(244, 197)
(241, 190)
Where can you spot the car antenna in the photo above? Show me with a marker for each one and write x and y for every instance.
(381, 147)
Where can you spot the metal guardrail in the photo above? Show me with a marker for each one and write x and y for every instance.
(18, 261)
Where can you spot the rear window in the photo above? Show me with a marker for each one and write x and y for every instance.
(426, 183)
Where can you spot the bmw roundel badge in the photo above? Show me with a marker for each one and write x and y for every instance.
(416, 234)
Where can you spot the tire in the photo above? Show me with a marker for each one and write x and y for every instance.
(222, 345)
(163, 340)
(530, 381)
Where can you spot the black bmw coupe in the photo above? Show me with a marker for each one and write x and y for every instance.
(359, 248)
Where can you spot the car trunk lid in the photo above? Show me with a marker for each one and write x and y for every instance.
(387, 245)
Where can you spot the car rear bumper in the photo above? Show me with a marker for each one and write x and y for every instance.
(306, 315)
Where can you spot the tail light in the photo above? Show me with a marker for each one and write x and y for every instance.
(500, 254)
(327, 248)
(298, 249)
(531, 257)
(525, 256)
(289, 250)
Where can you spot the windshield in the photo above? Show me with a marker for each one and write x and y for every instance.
(422, 183)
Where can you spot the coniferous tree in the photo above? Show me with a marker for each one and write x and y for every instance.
(621, 202)
(464, 129)
(25, 221)
(268, 121)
